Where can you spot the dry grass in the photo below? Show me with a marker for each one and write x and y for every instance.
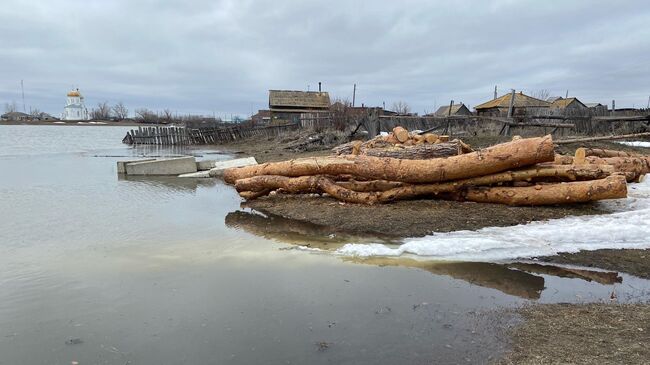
(581, 334)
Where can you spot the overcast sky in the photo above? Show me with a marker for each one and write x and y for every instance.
(222, 57)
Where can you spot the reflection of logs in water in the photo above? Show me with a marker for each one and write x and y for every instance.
(290, 230)
(601, 277)
(495, 276)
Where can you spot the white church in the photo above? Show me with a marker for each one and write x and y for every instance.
(75, 109)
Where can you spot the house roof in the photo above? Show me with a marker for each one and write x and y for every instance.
(521, 101)
(298, 99)
(14, 114)
(563, 103)
(444, 110)
(592, 105)
(554, 98)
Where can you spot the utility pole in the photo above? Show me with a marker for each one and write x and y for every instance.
(613, 106)
(451, 104)
(495, 91)
(22, 88)
(354, 94)
(512, 103)
(567, 94)
(648, 106)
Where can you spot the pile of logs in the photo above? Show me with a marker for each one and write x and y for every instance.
(404, 145)
(520, 172)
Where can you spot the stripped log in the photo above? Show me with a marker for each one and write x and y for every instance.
(632, 167)
(603, 138)
(367, 186)
(502, 157)
(401, 134)
(563, 160)
(603, 153)
(417, 152)
(612, 187)
(372, 192)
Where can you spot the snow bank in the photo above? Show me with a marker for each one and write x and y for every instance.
(636, 143)
(628, 227)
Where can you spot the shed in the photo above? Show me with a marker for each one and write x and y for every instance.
(288, 105)
(456, 109)
(523, 104)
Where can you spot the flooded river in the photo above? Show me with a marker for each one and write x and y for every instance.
(95, 269)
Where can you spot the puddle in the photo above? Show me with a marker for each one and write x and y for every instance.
(525, 279)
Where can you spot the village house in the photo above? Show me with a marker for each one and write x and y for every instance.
(15, 116)
(456, 109)
(597, 109)
(523, 105)
(294, 106)
(568, 106)
(261, 117)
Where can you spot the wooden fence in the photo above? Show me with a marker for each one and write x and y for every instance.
(526, 126)
(168, 136)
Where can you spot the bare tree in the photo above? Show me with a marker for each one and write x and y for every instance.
(401, 107)
(541, 94)
(341, 113)
(102, 112)
(167, 115)
(35, 113)
(145, 115)
(11, 107)
(120, 112)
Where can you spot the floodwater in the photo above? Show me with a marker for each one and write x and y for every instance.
(97, 269)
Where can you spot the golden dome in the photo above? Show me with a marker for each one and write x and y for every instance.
(74, 93)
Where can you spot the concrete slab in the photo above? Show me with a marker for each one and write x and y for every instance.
(121, 165)
(200, 174)
(205, 164)
(171, 166)
(220, 166)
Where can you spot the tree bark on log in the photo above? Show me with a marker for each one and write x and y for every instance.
(417, 152)
(612, 187)
(502, 157)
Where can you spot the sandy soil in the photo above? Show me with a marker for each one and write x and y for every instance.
(581, 334)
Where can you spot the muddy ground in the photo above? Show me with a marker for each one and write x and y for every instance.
(550, 334)
(412, 218)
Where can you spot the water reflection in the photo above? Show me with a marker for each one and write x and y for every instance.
(294, 231)
(173, 183)
(495, 276)
(600, 277)
(522, 279)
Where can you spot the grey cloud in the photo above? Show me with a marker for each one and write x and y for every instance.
(223, 56)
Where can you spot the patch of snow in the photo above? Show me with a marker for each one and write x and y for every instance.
(627, 227)
(636, 143)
